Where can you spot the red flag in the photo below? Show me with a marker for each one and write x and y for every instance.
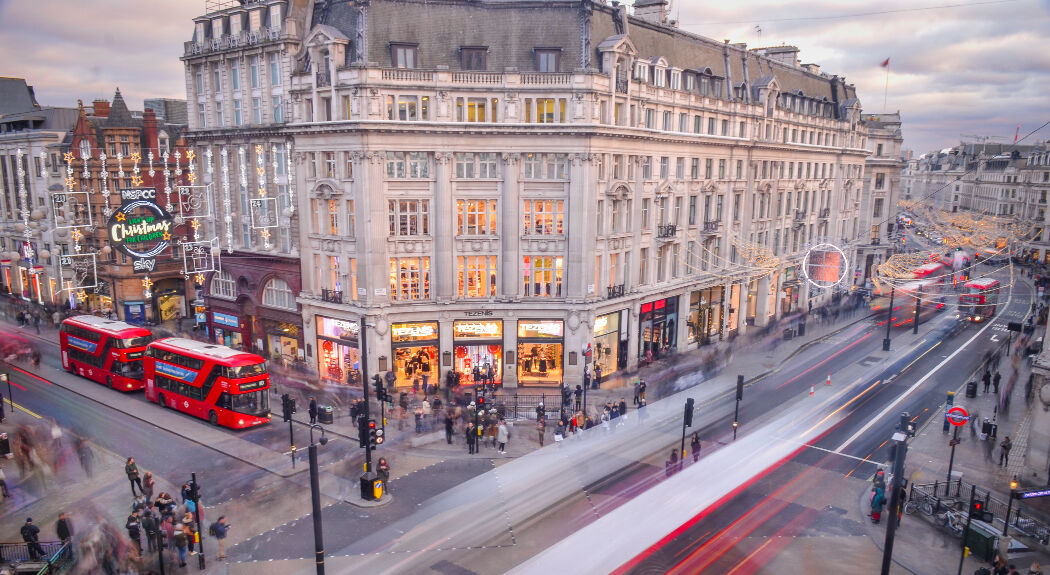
(885, 63)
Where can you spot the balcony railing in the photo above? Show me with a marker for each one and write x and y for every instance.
(402, 75)
(324, 79)
(666, 231)
(711, 227)
(331, 296)
(621, 86)
(615, 291)
(545, 79)
(825, 213)
(477, 78)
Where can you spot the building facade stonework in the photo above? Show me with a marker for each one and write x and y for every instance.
(523, 203)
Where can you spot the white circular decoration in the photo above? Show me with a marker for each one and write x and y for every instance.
(825, 266)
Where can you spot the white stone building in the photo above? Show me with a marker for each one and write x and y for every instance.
(565, 177)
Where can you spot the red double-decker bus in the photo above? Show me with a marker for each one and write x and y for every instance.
(225, 386)
(979, 299)
(104, 350)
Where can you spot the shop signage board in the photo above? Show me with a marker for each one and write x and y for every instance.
(140, 228)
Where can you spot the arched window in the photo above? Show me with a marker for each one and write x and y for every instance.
(85, 149)
(222, 285)
(278, 294)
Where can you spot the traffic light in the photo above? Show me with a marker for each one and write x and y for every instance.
(979, 513)
(195, 491)
(689, 412)
(377, 385)
(362, 432)
(375, 434)
(739, 387)
(287, 407)
(481, 402)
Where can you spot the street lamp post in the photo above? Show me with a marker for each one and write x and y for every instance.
(889, 321)
(315, 496)
(951, 459)
(3, 416)
(918, 302)
(1010, 504)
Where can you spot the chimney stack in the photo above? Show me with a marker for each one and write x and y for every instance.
(149, 129)
(654, 11)
(101, 108)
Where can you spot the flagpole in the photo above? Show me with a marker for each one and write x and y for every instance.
(886, 91)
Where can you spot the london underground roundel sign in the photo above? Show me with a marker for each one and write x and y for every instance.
(140, 228)
(957, 416)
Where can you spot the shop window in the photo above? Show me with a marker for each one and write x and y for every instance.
(543, 217)
(410, 278)
(409, 217)
(477, 276)
(476, 217)
(542, 276)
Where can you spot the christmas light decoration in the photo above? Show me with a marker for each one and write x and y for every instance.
(226, 204)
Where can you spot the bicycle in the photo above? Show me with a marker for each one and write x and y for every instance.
(920, 500)
(954, 520)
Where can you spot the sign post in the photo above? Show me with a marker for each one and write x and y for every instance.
(958, 417)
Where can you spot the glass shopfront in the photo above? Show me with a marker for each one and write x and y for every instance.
(540, 351)
(734, 308)
(788, 291)
(415, 350)
(705, 315)
(609, 340)
(478, 350)
(282, 341)
(658, 324)
(227, 329)
(339, 354)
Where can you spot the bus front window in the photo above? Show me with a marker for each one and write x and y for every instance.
(252, 403)
(246, 370)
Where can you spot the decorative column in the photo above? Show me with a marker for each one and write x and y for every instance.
(443, 266)
(762, 303)
(510, 227)
(375, 251)
(579, 214)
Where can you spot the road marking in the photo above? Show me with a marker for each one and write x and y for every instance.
(900, 398)
(30, 412)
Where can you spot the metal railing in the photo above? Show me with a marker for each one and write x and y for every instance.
(666, 231)
(621, 86)
(19, 552)
(711, 227)
(324, 79)
(1023, 521)
(331, 296)
(615, 291)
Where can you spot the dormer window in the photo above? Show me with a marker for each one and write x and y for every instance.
(85, 149)
(676, 80)
(641, 72)
(404, 55)
(474, 57)
(548, 59)
(659, 77)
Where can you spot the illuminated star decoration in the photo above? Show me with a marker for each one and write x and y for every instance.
(199, 278)
(195, 224)
(77, 235)
(191, 177)
(68, 157)
(166, 237)
(136, 180)
(265, 234)
(190, 155)
(121, 217)
(147, 283)
(136, 157)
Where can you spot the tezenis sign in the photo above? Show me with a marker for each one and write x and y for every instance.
(140, 228)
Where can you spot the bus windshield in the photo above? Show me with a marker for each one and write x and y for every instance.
(251, 403)
(131, 342)
(246, 370)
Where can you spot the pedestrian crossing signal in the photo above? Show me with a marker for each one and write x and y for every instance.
(375, 434)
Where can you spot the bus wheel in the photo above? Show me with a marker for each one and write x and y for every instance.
(213, 418)
(109, 382)
(160, 400)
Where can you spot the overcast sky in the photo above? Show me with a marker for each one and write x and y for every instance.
(979, 67)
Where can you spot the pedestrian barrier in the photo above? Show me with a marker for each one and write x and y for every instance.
(956, 494)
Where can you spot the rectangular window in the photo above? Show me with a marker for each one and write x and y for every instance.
(408, 165)
(238, 119)
(545, 166)
(216, 79)
(667, 122)
(543, 217)
(256, 111)
(333, 217)
(409, 278)
(600, 218)
(351, 224)
(202, 118)
(743, 129)
(679, 169)
(480, 110)
(721, 169)
(739, 169)
(643, 260)
(645, 213)
(278, 110)
(877, 211)
(683, 122)
(348, 163)
(541, 276)
(547, 60)
(253, 71)
(544, 110)
(476, 217)
(404, 55)
(725, 127)
(476, 276)
(473, 58)
(235, 74)
(665, 167)
(711, 126)
(694, 170)
(880, 181)
(409, 217)
(275, 70)
(329, 164)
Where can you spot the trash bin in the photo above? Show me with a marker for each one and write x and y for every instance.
(788, 334)
(801, 328)
(971, 389)
(325, 414)
(982, 540)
